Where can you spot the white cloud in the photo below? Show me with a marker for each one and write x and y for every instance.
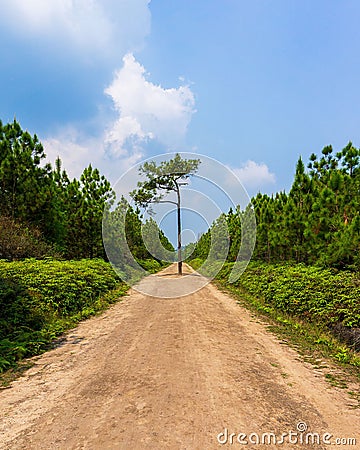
(125, 129)
(253, 175)
(96, 27)
(146, 110)
(91, 30)
(75, 151)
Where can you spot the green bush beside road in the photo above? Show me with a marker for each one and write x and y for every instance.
(39, 299)
(307, 299)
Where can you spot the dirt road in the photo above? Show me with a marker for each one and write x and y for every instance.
(182, 373)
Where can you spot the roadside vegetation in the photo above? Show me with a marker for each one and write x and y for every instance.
(305, 269)
(54, 270)
(315, 307)
(41, 299)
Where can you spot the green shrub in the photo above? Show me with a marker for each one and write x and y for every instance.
(320, 295)
(39, 299)
(196, 263)
(62, 286)
(151, 265)
(326, 297)
(19, 240)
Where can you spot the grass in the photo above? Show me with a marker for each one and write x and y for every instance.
(7, 377)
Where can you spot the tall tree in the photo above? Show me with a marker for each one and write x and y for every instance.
(317, 222)
(129, 241)
(96, 193)
(161, 180)
(83, 202)
(27, 191)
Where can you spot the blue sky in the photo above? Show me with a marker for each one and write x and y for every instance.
(253, 84)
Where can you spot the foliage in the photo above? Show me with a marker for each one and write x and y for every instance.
(64, 286)
(33, 194)
(319, 295)
(151, 265)
(157, 244)
(162, 179)
(39, 299)
(18, 241)
(196, 263)
(326, 297)
(307, 248)
(316, 223)
(85, 201)
(128, 239)
(44, 213)
(27, 192)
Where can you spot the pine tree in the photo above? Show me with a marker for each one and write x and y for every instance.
(96, 192)
(27, 191)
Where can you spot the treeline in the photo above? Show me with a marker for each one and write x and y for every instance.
(316, 223)
(44, 213)
(52, 268)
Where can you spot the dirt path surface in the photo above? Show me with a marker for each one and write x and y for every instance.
(155, 373)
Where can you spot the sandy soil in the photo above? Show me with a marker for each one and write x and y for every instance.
(157, 373)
